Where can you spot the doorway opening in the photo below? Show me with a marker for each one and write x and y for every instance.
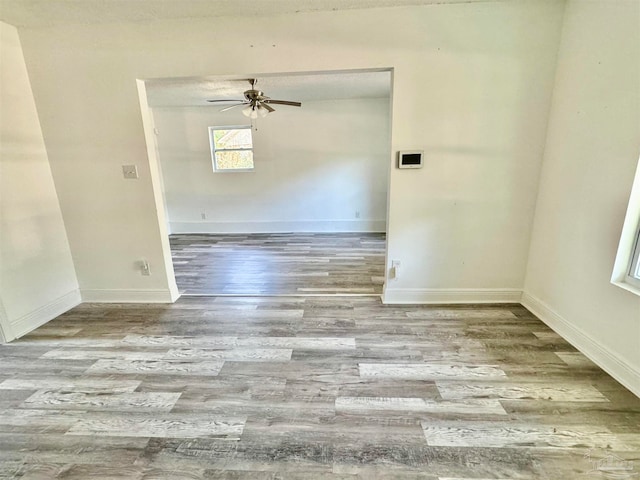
(309, 216)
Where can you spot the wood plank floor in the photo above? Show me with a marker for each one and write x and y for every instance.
(305, 388)
(279, 264)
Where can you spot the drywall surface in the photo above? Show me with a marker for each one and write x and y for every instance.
(472, 88)
(322, 167)
(590, 160)
(37, 277)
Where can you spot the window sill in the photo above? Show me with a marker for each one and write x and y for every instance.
(627, 286)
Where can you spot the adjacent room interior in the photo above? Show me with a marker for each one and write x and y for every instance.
(306, 213)
(501, 338)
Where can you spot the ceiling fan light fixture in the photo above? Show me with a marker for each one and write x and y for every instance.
(250, 111)
(263, 112)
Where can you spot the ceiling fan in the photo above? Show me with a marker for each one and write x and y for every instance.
(256, 102)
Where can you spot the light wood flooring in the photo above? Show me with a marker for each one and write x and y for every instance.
(306, 388)
(279, 264)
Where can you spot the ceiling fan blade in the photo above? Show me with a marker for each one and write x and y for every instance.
(233, 106)
(269, 109)
(283, 102)
(228, 100)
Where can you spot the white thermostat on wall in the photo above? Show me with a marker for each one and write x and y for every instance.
(410, 159)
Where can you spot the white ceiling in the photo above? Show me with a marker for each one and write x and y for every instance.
(39, 13)
(174, 92)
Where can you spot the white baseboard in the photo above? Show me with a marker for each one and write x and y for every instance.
(279, 227)
(450, 295)
(38, 317)
(602, 356)
(128, 296)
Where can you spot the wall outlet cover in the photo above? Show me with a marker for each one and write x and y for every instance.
(130, 171)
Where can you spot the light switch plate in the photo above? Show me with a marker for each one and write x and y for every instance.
(130, 171)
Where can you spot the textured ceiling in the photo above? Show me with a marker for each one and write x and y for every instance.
(174, 92)
(39, 13)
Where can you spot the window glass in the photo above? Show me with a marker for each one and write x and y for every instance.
(231, 148)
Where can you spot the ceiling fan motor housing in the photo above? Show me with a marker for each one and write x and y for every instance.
(253, 95)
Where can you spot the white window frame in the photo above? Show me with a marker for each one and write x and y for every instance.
(213, 149)
(633, 274)
(626, 269)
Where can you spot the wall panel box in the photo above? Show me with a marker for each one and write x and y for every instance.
(410, 159)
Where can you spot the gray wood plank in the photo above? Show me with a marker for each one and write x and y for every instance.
(160, 367)
(38, 421)
(179, 341)
(517, 435)
(576, 359)
(130, 401)
(76, 384)
(422, 371)
(167, 425)
(571, 392)
(463, 312)
(418, 405)
(97, 354)
(236, 354)
(307, 343)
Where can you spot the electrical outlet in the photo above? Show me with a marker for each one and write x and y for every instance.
(203, 216)
(144, 268)
(394, 271)
(130, 171)
(357, 213)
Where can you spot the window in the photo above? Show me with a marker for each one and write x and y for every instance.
(231, 149)
(626, 269)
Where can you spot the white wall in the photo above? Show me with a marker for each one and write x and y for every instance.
(472, 87)
(37, 277)
(591, 155)
(315, 167)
